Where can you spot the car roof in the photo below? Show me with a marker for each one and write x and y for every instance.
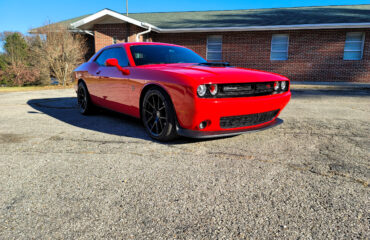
(124, 45)
(141, 43)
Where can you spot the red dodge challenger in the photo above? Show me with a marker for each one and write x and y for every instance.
(176, 92)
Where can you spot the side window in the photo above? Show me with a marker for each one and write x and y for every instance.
(102, 58)
(118, 53)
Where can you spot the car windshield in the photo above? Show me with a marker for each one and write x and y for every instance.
(161, 54)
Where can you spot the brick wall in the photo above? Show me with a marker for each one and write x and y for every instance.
(314, 55)
(123, 32)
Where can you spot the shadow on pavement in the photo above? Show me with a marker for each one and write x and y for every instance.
(66, 110)
(104, 121)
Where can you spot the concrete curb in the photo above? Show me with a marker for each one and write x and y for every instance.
(329, 85)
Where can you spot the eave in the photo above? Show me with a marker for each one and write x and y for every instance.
(267, 28)
(88, 22)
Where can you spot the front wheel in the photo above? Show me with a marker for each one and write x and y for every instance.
(158, 115)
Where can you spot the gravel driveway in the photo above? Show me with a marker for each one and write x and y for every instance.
(68, 176)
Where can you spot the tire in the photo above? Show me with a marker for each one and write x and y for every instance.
(158, 115)
(83, 99)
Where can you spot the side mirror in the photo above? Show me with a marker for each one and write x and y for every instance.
(113, 62)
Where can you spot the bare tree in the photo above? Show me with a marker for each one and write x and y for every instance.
(62, 51)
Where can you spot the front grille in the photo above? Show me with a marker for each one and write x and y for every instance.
(245, 89)
(247, 120)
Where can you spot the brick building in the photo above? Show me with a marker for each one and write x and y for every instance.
(330, 43)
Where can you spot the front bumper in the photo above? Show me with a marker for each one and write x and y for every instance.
(213, 110)
(224, 133)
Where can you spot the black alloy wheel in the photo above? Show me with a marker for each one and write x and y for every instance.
(158, 115)
(83, 99)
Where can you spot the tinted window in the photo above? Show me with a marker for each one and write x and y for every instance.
(159, 54)
(118, 53)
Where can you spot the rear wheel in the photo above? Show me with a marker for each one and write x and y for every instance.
(83, 99)
(158, 115)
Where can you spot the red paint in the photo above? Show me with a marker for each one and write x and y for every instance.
(120, 89)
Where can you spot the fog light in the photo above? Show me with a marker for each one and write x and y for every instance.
(203, 124)
(276, 86)
(283, 85)
(202, 89)
(213, 89)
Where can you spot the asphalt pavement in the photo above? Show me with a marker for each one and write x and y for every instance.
(68, 176)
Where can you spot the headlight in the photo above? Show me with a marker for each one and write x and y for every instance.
(283, 85)
(213, 89)
(276, 86)
(202, 89)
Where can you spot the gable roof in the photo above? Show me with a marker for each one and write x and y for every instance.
(107, 15)
(347, 16)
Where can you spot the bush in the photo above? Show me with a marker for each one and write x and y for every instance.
(20, 75)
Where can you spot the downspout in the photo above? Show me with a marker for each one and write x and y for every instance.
(142, 33)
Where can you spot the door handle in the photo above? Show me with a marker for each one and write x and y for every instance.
(98, 72)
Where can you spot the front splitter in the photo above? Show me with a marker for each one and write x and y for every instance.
(225, 133)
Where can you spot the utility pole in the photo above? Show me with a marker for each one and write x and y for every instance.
(126, 7)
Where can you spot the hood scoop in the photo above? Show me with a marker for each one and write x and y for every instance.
(215, 64)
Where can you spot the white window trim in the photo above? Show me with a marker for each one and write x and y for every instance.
(213, 51)
(361, 50)
(277, 51)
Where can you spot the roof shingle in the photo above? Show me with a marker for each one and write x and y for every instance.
(251, 17)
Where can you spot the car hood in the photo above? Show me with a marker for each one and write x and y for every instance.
(217, 74)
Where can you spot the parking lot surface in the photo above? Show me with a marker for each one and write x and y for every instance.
(64, 175)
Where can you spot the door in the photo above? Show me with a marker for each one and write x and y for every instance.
(113, 86)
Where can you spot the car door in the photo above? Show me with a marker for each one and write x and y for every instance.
(97, 84)
(114, 86)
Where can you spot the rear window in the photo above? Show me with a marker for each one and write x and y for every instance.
(160, 54)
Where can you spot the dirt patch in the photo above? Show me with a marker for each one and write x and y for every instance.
(11, 138)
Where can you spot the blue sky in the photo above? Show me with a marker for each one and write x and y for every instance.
(21, 15)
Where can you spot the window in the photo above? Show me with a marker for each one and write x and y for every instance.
(114, 40)
(214, 48)
(279, 47)
(118, 53)
(354, 46)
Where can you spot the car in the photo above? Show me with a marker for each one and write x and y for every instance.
(174, 91)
